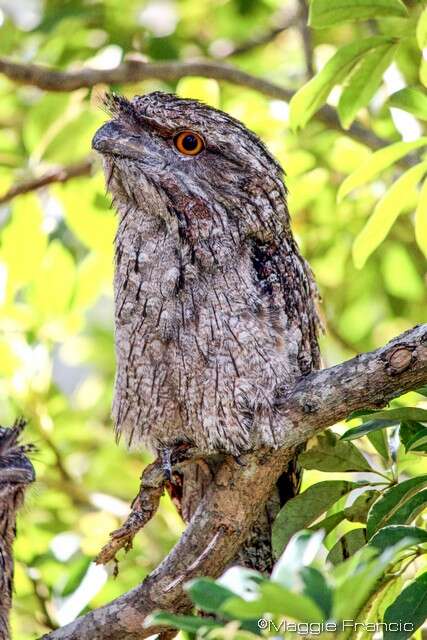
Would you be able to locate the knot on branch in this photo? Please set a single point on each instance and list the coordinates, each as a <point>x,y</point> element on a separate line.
<point>404,355</point>
<point>399,359</point>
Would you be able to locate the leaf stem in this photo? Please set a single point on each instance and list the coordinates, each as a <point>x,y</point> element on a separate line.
<point>386,477</point>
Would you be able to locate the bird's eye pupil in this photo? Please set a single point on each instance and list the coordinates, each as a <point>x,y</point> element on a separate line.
<point>190,142</point>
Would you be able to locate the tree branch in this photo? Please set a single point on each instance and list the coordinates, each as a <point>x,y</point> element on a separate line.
<point>231,504</point>
<point>60,174</point>
<point>307,43</point>
<point>132,71</point>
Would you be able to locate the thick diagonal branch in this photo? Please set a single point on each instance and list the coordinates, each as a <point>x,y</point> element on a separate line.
<point>132,71</point>
<point>231,505</point>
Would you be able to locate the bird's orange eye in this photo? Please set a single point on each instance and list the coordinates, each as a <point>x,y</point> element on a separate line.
<point>189,143</point>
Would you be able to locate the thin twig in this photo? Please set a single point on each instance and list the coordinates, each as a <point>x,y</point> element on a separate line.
<point>59,174</point>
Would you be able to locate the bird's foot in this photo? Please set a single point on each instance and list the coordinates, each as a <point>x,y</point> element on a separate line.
<point>121,539</point>
<point>154,478</point>
<point>143,509</point>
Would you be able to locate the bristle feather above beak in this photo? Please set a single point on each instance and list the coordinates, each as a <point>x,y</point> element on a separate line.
<point>116,105</point>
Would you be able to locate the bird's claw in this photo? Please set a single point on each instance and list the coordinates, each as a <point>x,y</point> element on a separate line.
<point>144,506</point>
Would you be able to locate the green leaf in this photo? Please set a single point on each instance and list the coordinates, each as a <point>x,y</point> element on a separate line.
<point>410,606</point>
<point>300,552</point>
<point>329,523</point>
<point>360,413</point>
<point>324,13</point>
<point>422,30</point>
<point>422,74</point>
<point>392,534</point>
<point>386,596</point>
<point>418,442</point>
<point>407,430</point>
<point>277,600</point>
<point>358,511</point>
<point>357,579</point>
<point>363,81</point>
<point>301,511</point>
<point>317,588</point>
<point>347,545</point>
<point>207,594</point>
<point>379,441</point>
<point>422,391</point>
<point>332,454</point>
<point>395,506</point>
<point>421,219</point>
<point>192,624</point>
<point>376,163</point>
<point>79,129</point>
<point>367,427</point>
<point>402,413</point>
<point>361,559</point>
<point>94,273</point>
<point>241,581</point>
<point>313,94</point>
<point>385,213</point>
<point>410,509</point>
<point>411,100</point>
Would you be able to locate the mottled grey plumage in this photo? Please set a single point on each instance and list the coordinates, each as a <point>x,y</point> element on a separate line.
<point>16,472</point>
<point>215,307</point>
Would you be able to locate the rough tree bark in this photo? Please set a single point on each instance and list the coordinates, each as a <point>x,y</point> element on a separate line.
<point>230,507</point>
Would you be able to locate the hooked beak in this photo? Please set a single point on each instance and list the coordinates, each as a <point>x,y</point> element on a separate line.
<point>113,139</point>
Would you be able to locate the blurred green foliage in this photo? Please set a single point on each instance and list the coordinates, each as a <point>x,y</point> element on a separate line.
<point>56,322</point>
